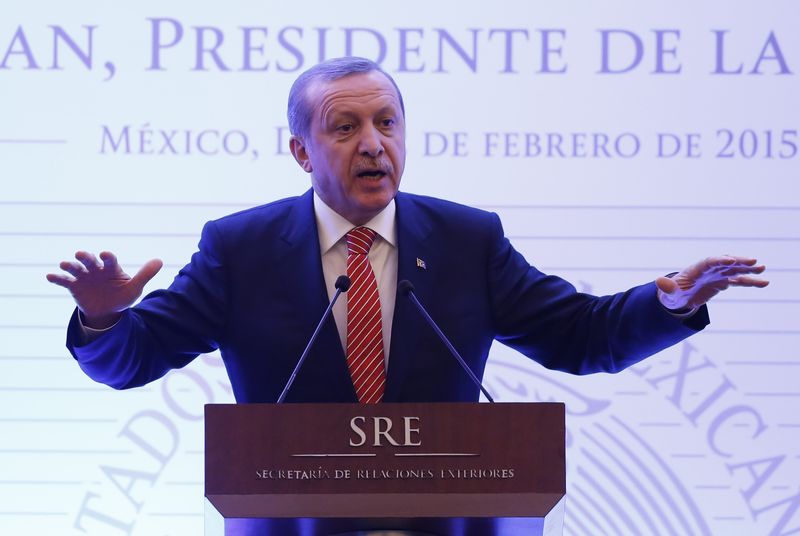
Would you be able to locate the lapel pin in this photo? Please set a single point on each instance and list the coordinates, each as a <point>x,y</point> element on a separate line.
<point>421,264</point>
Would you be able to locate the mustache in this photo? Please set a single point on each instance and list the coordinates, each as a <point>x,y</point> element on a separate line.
<point>383,165</point>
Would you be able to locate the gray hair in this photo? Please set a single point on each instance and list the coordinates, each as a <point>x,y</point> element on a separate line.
<point>299,111</point>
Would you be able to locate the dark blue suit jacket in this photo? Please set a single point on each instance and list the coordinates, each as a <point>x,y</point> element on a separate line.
<point>255,289</point>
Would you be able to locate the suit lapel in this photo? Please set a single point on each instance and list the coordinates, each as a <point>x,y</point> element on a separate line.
<point>413,232</point>
<point>327,358</point>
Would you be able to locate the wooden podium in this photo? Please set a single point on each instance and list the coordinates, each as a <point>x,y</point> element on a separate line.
<point>443,469</point>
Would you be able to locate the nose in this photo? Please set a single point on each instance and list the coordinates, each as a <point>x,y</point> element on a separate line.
<point>369,144</point>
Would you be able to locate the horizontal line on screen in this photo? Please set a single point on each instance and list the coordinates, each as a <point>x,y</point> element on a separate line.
<point>55,420</point>
<point>654,238</point>
<point>175,514</point>
<point>32,326</point>
<point>712,486</point>
<point>511,237</point>
<point>728,518</point>
<point>34,357</point>
<point>707,331</point>
<point>42,482</point>
<point>772,394</point>
<point>752,331</point>
<point>522,206</point>
<point>33,389</point>
<point>630,393</point>
<point>33,514</point>
<point>36,296</point>
<point>691,456</point>
<point>760,363</point>
<point>33,141</point>
<point>660,424</point>
<point>333,455</point>
<point>185,483</point>
<point>66,296</point>
<point>59,296</point>
<point>436,454</point>
<point>660,269</point>
<point>57,389</point>
<point>127,203</point>
<point>756,300</point>
<point>54,265</point>
<point>788,425</point>
<point>63,451</point>
<point>97,233</point>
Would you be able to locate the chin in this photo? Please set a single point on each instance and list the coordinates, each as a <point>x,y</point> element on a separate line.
<point>368,208</point>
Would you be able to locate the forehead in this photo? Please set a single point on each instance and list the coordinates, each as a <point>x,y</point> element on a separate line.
<point>360,92</point>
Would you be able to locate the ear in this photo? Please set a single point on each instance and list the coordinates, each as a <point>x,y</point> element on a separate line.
<point>300,152</point>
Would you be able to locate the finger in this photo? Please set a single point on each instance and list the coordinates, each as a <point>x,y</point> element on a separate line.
<point>147,272</point>
<point>705,266</point>
<point>73,268</point>
<point>109,260</point>
<point>61,280</point>
<point>723,262</point>
<point>747,281</point>
<point>666,285</point>
<point>88,260</point>
<point>736,270</point>
<point>716,265</point>
<point>712,263</point>
<point>747,261</point>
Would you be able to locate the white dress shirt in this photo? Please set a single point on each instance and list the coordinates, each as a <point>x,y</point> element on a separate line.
<point>332,229</point>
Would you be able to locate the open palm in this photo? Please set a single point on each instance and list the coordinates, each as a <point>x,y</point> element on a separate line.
<point>101,288</point>
<point>700,282</point>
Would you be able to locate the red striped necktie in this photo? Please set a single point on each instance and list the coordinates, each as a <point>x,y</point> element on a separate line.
<point>364,326</point>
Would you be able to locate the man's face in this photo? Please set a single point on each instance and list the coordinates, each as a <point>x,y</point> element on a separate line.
<point>355,149</point>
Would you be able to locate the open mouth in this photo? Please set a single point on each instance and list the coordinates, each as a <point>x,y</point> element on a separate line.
<point>372,174</point>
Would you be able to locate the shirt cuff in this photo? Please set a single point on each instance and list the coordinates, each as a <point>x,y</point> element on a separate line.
<point>683,312</point>
<point>91,334</point>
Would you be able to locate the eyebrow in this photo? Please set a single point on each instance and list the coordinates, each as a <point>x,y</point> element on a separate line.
<point>387,110</point>
<point>383,110</point>
<point>334,115</point>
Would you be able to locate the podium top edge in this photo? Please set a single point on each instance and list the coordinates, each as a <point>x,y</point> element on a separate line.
<point>392,404</point>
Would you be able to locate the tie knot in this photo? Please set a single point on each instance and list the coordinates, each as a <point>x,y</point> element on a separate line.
<point>359,240</point>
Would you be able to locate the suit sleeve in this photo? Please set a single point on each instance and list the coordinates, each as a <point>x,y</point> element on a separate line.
<point>167,329</point>
<point>546,319</point>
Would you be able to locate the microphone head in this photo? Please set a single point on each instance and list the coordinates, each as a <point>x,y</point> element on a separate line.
<point>405,287</point>
<point>342,283</point>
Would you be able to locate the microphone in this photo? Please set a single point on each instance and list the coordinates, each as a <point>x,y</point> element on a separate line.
<point>406,288</point>
<point>342,285</point>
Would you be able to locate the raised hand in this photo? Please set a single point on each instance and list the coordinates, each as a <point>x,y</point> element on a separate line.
<point>700,282</point>
<point>101,289</point>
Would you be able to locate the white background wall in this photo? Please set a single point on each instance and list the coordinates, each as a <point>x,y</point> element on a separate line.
<point>709,450</point>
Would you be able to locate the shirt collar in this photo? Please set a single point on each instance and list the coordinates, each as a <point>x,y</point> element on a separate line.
<point>331,226</point>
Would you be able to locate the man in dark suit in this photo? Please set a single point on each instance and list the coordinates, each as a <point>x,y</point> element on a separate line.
<point>262,278</point>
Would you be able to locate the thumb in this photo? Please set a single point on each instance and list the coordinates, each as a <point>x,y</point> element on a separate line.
<point>146,273</point>
<point>666,285</point>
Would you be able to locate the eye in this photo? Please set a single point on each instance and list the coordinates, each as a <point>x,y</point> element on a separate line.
<point>388,122</point>
<point>345,128</point>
